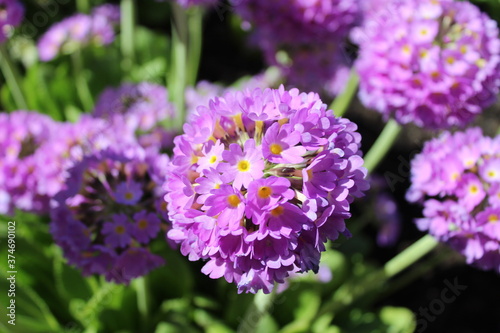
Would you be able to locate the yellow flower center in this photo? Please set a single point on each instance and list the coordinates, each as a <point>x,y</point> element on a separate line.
<point>450,60</point>
<point>129,195</point>
<point>213,159</point>
<point>264,192</point>
<point>491,173</point>
<point>493,218</point>
<point>233,200</point>
<point>142,224</point>
<point>277,211</point>
<point>119,229</point>
<point>194,159</point>
<point>243,165</point>
<point>217,186</point>
<point>473,189</point>
<point>276,149</point>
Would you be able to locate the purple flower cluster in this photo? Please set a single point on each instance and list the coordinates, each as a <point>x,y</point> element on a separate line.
<point>259,181</point>
<point>300,21</point>
<point>142,107</point>
<point>37,152</point>
<point>22,133</point>
<point>110,212</point>
<point>311,35</point>
<point>11,15</point>
<point>204,91</point>
<point>435,63</point>
<point>79,31</point>
<point>457,177</point>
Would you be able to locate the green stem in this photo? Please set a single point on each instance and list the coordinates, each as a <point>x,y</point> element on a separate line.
<point>195,30</point>
<point>341,103</point>
<point>143,299</point>
<point>127,22</point>
<point>82,6</point>
<point>258,309</point>
<point>177,79</point>
<point>82,87</point>
<point>382,145</point>
<point>12,78</point>
<point>349,293</point>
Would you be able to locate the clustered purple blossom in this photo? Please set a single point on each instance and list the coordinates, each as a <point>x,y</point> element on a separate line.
<point>79,31</point>
<point>204,91</point>
<point>21,134</point>
<point>11,15</point>
<point>457,178</point>
<point>311,35</point>
<point>110,212</point>
<point>37,152</point>
<point>435,63</point>
<point>143,107</point>
<point>260,180</point>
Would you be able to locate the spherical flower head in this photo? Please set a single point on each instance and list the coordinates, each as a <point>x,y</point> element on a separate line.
<point>432,63</point>
<point>142,107</point>
<point>11,15</point>
<point>69,144</point>
<point>456,179</point>
<point>79,31</point>
<point>305,41</point>
<point>22,136</point>
<point>106,216</point>
<point>237,194</point>
<point>300,21</point>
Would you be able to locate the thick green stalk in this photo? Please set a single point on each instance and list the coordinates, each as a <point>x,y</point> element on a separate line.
<point>143,300</point>
<point>341,103</point>
<point>82,87</point>
<point>12,78</point>
<point>127,38</point>
<point>349,293</point>
<point>382,145</point>
<point>262,303</point>
<point>82,6</point>
<point>177,79</point>
<point>195,30</point>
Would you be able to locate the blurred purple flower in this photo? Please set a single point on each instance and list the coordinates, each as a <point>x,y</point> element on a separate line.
<point>142,107</point>
<point>79,31</point>
<point>311,35</point>
<point>11,15</point>
<point>461,205</point>
<point>433,63</point>
<point>100,234</point>
<point>22,135</point>
<point>244,209</point>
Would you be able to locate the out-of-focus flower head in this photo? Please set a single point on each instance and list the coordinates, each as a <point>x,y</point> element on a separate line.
<point>143,107</point>
<point>79,31</point>
<point>71,143</point>
<point>22,133</point>
<point>386,213</point>
<point>258,183</point>
<point>457,178</point>
<point>107,216</point>
<point>435,63</point>
<point>11,15</point>
<point>311,35</point>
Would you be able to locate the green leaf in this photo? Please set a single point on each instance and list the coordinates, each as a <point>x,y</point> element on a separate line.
<point>398,319</point>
